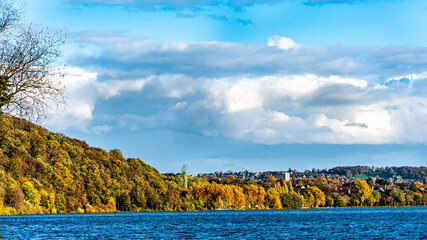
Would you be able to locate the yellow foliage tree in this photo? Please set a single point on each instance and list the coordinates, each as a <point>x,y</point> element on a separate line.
<point>31,194</point>
<point>254,196</point>
<point>360,191</point>
<point>315,196</point>
<point>272,199</point>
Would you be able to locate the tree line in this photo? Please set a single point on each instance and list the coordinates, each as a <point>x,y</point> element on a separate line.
<point>46,172</point>
<point>404,172</point>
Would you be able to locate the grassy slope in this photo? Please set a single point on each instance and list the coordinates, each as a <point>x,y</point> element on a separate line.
<point>372,174</point>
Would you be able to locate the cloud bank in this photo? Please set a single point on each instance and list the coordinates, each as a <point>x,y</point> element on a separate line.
<point>272,93</point>
<point>128,56</point>
<point>176,4</point>
<point>197,4</point>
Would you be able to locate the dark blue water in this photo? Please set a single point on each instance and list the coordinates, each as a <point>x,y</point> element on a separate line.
<point>365,223</point>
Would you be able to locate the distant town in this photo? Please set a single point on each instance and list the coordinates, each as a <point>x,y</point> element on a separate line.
<point>392,174</point>
<point>379,178</point>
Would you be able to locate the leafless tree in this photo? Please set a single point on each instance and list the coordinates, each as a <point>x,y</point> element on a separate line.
<point>29,85</point>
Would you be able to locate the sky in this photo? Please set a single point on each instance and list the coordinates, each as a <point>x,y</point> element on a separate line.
<point>231,84</point>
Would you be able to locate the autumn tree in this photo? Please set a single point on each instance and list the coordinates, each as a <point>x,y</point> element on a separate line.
<point>212,194</point>
<point>48,201</point>
<point>418,198</point>
<point>15,197</point>
<point>230,179</point>
<point>315,196</point>
<point>272,199</point>
<point>29,85</point>
<point>373,199</point>
<point>272,180</point>
<point>416,185</point>
<point>290,188</point>
<point>340,200</point>
<point>138,197</point>
<point>360,191</point>
<point>254,196</point>
<point>118,154</point>
<point>410,197</point>
<point>329,201</point>
<point>281,187</point>
<point>31,194</point>
<point>239,197</point>
<point>398,196</point>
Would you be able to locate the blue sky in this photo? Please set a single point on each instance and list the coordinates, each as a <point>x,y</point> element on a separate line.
<point>260,85</point>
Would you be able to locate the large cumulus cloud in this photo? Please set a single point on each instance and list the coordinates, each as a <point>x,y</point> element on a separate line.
<point>277,92</point>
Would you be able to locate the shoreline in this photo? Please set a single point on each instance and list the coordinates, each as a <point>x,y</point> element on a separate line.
<point>233,210</point>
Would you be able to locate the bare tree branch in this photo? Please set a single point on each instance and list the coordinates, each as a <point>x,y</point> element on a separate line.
<point>30,83</point>
<point>9,15</point>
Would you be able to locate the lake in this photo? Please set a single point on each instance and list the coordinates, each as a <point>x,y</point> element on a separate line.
<point>344,223</point>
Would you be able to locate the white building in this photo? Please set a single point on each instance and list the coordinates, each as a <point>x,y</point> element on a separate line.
<point>287,176</point>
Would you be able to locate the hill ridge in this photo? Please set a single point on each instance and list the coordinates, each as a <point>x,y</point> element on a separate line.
<point>46,172</point>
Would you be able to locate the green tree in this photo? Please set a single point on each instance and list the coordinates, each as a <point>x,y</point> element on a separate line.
<point>118,154</point>
<point>291,200</point>
<point>374,198</point>
<point>60,203</point>
<point>398,196</point>
<point>137,196</point>
<point>410,198</point>
<point>123,201</point>
<point>5,97</point>
<point>290,188</point>
<point>281,187</point>
<point>370,181</point>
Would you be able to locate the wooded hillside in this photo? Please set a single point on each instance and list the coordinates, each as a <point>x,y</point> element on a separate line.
<point>46,172</point>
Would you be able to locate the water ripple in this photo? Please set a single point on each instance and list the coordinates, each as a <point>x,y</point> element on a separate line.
<point>363,223</point>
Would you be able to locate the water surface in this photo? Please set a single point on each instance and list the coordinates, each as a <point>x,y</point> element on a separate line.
<point>352,223</point>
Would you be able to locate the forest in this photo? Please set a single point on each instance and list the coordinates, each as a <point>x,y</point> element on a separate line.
<point>404,172</point>
<point>42,172</point>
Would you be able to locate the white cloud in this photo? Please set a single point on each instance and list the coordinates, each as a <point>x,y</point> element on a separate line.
<point>282,42</point>
<point>278,117</point>
<point>115,88</point>
<point>84,90</point>
<point>101,129</point>
<point>309,108</point>
<point>270,93</point>
<point>242,96</point>
<point>411,77</point>
<point>174,86</point>
<point>121,55</point>
<point>268,109</point>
